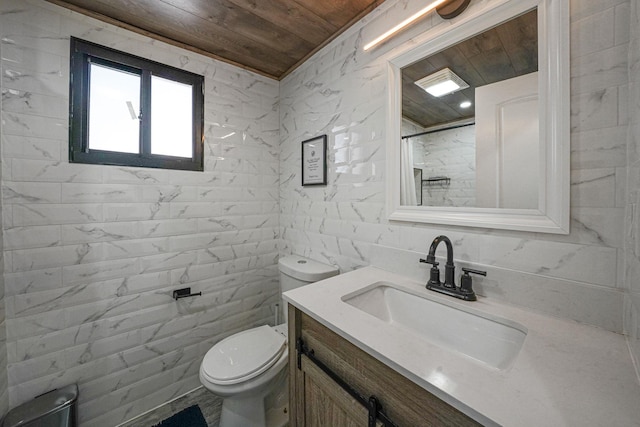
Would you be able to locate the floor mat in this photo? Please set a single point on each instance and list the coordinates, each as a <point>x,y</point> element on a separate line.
<point>189,417</point>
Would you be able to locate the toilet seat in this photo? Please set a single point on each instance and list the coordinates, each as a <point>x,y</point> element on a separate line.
<point>243,356</point>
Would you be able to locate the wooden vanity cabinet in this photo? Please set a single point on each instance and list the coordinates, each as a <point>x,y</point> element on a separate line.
<point>317,400</point>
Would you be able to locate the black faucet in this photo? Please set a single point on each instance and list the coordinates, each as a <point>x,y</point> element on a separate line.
<point>465,291</point>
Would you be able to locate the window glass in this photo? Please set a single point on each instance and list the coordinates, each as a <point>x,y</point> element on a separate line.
<point>114,106</point>
<point>171,118</point>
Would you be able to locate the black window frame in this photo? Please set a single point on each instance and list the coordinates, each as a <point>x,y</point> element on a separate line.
<point>82,54</point>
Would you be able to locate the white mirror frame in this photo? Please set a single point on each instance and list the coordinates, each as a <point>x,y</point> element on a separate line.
<point>553,59</point>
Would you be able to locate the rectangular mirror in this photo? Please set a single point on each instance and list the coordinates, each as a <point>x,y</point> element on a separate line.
<point>494,147</point>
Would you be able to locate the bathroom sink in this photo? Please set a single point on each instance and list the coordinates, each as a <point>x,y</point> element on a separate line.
<point>492,340</point>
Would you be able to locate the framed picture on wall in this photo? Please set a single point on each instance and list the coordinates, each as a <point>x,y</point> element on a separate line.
<point>314,161</point>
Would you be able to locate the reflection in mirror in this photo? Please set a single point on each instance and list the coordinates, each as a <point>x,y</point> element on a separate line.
<point>546,167</point>
<point>476,144</point>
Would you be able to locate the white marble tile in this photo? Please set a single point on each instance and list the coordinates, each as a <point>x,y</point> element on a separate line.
<point>39,324</point>
<point>42,214</point>
<point>221,223</point>
<point>31,237</point>
<point>195,210</point>
<point>31,14</point>
<point>167,261</point>
<point>597,109</point>
<point>599,70</point>
<point>623,105</point>
<point>119,249</point>
<point>27,192</point>
<point>81,273</point>
<point>128,175</point>
<point>170,227</point>
<point>136,211</point>
<point>598,226</point>
<point>599,148</point>
<point>37,280</point>
<point>583,8</point>
<point>33,368</point>
<point>592,33</point>
<point>96,193</point>
<point>34,126</point>
<point>25,102</point>
<point>630,195</point>
<point>23,48</point>
<point>44,258</point>
<point>97,232</point>
<point>50,79</point>
<point>14,146</point>
<point>126,411</point>
<point>593,187</point>
<point>621,186</point>
<point>591,264</point>
<point>116,379</point>
<point>622,27</point>
<point>166,193</point>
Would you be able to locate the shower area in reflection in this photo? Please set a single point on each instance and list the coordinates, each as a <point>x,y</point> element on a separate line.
<point>439,166</point>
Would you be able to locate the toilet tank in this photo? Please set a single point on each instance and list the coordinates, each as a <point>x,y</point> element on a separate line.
<point>296,271</point>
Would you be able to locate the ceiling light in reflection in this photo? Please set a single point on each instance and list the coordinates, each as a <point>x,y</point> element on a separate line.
<point>465,104</point>
<point>442,83</point>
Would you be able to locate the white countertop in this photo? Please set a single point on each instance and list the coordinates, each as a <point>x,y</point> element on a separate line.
<point>566,374</point>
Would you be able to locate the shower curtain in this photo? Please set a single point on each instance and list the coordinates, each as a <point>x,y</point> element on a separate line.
<point>407,183</point>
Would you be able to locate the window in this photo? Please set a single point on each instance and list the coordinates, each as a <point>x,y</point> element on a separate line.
<point>130,111</point>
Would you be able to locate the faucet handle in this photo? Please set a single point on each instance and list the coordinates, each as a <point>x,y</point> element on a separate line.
<point>434,273</point>
<point>466,283</point>
<point>472,271</point>
<point>431,259</point>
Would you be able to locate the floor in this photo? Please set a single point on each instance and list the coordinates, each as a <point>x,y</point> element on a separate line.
<point>210,405</point>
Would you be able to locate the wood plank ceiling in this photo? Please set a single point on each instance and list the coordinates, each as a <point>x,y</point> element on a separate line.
<point>506,51</point>
<point>270,37</point>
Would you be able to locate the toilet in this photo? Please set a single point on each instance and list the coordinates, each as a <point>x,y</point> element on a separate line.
<point>248,369</point>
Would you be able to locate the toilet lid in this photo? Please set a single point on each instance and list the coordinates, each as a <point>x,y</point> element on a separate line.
<point>243,356</point>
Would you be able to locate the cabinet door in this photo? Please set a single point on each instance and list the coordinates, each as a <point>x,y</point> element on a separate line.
<point>326,404</point>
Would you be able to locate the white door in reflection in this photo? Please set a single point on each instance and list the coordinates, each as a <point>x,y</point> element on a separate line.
<point>507,147</point>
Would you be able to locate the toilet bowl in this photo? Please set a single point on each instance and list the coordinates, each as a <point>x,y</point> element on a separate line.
<point>242,369</point>
<point>248,369</point>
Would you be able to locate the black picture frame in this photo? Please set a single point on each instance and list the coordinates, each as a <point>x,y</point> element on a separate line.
<point>314,161</point>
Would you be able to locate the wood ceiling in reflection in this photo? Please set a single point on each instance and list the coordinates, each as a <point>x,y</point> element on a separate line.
<point>506,51</point>
<point>270,37</point>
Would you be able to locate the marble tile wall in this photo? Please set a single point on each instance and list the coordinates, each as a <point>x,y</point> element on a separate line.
<point>632,219</point>
<point>341,92</point>
<point>4,389</point>
<point>92,253</point>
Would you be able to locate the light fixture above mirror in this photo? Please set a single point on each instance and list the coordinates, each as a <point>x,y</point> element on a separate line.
<point>447,9</point>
